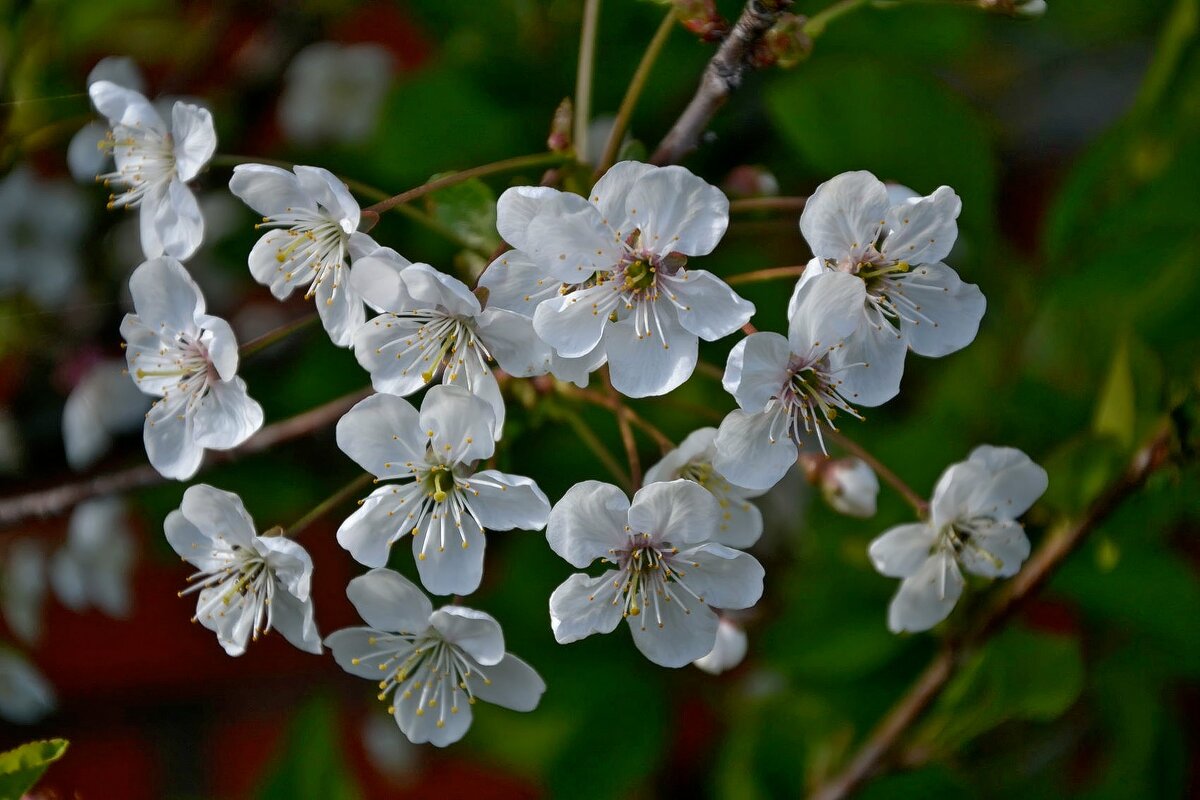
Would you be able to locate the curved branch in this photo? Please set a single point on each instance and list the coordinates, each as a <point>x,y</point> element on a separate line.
<point>59,499</point>
<point>721,77</point>
<point>873,755</point>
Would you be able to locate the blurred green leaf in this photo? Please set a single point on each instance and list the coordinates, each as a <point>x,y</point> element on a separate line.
<point>848,114</point>
<point>312,765</point>
<point>468,209</point>
<point>22,767</point>
<point>1115,414</point>
<point>1020,674</point>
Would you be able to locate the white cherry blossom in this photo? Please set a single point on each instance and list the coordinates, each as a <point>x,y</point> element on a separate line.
<point>972,526</point>
<point>515,282</point>
<point>442,500</point>
<point>188,359</point>
<point>894,241</point>
<point>741,521</point>
<point>95,565</point>
<point>41,225</point>
<point>25,694</point>
<point>248,584</point>
<point>314,221</point>
<point>432,666</point>
<point>729,650</point>
<point>153,162</point>
<point>333,92</point>
<point>667,568</point>
<point>788,387</point>
<point>103,404</point>
<point>87,155</point>
<point>433,324</point>
<point>620,257</point>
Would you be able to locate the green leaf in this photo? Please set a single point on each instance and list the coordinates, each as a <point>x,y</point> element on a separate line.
<point>468,209</point>
<point>22,767</point>
<point>1021,674</point>
<point>1115,411</point>
<point>847,114</point>
<point>312,764</point>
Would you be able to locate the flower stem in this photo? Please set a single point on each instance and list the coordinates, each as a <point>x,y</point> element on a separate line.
<point>759,275</point>
<point>634,92</point>
<point>817,22</point>
<point>583,74</point>
<point>618,407</point>
<point>793,204</point>
<point>631,452</point>
<point>593,443</point>
<point>329,504</point>
<point>507,165</point>
<point>892,479</point>
<point>271,337</point>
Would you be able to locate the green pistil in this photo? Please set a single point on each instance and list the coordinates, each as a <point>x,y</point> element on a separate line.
<point>639,275</point>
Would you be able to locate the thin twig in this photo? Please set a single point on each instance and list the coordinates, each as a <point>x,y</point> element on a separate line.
<point>748,204</point>
<point>765,275</point>
<point>634,92</point>
<point>330,503</point>
<point>593,443</point>
<point>660,438</point>
<point>272,336</point>
<point>721,77</point>
<point>631,453</point>
<point>59,499</point>
<point>506,165</point>
<point>873,755</point>
<point>583,74</point>
<point>918,503</point>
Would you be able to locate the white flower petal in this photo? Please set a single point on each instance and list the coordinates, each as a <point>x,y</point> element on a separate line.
<point>676,632</point>
<point>568,238</point>
<point>511,684</point>
<point>746,453</point>
<point>382,433</point>
<point>339,306</point>
<point>458,424</point>
<point>503,502</point>
<point>583,605</point>
<point>170,444</point>
<point>902,550</point>
<point>351,645</point>
<point>476,633</point>
<point>923,230</point>
<point>870,362</point>
<point>124,106</point>
<point>951,309</point>
<point>329,191</point>
<point>219,515</point>
<point>844,216</point>
<point>376,278</point>
<point>611,193</point>
<point>449,554</point>
<point>227,416</point>
<point>653,363</point>
<point>511,340</point>
<point>728,650</point>
<point>721,576</point>
<point>388,601</point>
<point>757,369</point>
<point>517,207</point>
<point>381,519</point>
<point>515,282</point>
<point>194,137</point>
<point>587,522</point>
<point>928,596</point>
<point>294,618</point>
<point>677,211</point>
<point>995,549</point>
<point>165,296</point>
<point>178,223</point>
<point>574,323</point>
<point>268,190</point>
<point>680,512</point>
<point>1013,482</point>
<point>828,308</point>
<point>706,305</point>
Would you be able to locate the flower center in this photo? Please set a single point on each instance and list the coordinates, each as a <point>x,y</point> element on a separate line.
<point>243,581</point>
<point>143,159</point>
<point>441,341</point>
<point>809,397</point>
<point>427,667</point>
<point>315,248</point>
<point>650,575</point>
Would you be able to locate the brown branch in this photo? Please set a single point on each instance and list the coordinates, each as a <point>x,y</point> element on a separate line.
<point>61,498</point>
<point>918,503</point>
<point>721,77</point>
<point>631,452</point>
<point>749,204</point>
<point>769,274</point>
<point>874,754</point>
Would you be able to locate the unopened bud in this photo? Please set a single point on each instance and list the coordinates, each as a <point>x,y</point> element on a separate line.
<point>728,650</point>
<point>850,487</point>
<point>750,180</point>
<point>559,140</point>
<point>785,44</point>
<point>701,18</point>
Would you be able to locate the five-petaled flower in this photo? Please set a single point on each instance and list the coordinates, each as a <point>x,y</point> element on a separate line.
<point>433,324</point>
<point>894,242</point>
<point>619,257</point>
<point>667,568</point>
<point>445,503</point>
<point>431,665</point>
<point>972,526</point>
<point>188,359</point>
<point>314,221</point>
<point>787,387</point>
<point>153,163</point>
<point>248,584</point>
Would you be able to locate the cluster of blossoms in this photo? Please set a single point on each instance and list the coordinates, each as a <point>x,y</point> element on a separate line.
<point>597,281</point>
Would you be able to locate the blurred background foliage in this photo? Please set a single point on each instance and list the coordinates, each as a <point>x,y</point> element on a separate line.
<point>1074,141</point>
